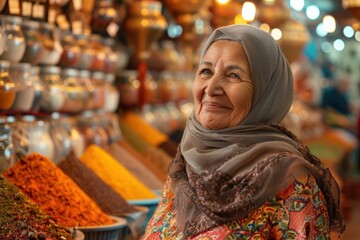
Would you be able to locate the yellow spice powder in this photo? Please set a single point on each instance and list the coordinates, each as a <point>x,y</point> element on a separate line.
<point>149,133</point>
<point>114,174</point>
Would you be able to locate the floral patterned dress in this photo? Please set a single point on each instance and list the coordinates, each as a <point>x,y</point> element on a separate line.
<point>299,212</point>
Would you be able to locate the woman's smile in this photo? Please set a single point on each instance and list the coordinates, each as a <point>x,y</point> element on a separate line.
<point>213,106</point>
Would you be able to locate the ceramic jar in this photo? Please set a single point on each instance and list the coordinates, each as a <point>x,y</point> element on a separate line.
<point>7,87</point>
<point>111,56</point>
<point>38,136</point>
<point>52,46</point>
<point>54,95</point>
<point>150,13</point>
<point>168,88</point>
<point>14,39</point>
<point>87,52</point>
<point>71,55</point>
<point>39,88</point>
<point>112,127</point>
<point>2,4</point>
<point>93,131</point>
<point>2,35</point>
<point>7,157</point>
<point>60,137</point>
<point>129,88</point>
<point>112,95</point>
<point>85,79</point>
<point>75,91</point>
<point>98,64</point>
<point>77,140</point>
<point>20,74</point>
<point>34,45</point>
<point>151,90</point>
<point>98,79</point>
<point>103,14</point>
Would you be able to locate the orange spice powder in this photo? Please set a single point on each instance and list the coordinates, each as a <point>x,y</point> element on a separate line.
<point>55,193</point>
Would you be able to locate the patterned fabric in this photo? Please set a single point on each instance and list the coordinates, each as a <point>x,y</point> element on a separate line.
<point>298,212</point>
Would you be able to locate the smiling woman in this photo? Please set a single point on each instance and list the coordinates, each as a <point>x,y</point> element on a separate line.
<point>237,173</point>
<point>223,86</point>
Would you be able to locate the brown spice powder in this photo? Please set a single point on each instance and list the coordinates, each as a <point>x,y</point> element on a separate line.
<point>107,199</point>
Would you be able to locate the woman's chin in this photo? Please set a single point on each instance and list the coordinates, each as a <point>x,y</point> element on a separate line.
<point>213,124</point>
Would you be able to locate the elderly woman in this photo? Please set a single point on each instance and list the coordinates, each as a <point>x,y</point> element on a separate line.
<point>237,173</point>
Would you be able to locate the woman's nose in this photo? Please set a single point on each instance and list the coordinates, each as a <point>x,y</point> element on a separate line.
<point>214,87</point>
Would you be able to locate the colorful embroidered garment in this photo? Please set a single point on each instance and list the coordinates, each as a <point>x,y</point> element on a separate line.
<point>298,212</point>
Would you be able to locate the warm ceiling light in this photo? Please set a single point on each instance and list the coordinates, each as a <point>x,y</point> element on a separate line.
<point>357,36</point>
<point>222,2</point>
<point>248,11</point>
<point>265,27</point>
<point>268,2</point>
<point>276,33</point>
<point>329,23</point>
<point>297,4</point>
<point>239,19</point>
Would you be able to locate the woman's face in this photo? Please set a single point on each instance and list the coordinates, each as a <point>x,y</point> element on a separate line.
<point>223,88</point>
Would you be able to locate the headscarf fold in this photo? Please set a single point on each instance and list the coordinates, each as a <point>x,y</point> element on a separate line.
<point>223,175</point>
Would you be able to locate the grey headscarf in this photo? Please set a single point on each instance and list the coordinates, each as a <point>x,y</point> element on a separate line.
<point>223,175</point>
<point>271,74</point>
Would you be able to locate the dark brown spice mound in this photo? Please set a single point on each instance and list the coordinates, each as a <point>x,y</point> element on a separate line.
<point>20,218</point>
<point>107,199</point>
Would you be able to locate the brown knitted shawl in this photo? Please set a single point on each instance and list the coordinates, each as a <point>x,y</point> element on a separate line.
<point>210,198</point>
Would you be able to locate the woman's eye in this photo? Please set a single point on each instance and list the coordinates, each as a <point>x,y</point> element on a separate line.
<point>205,71</point>
<point>234,75</point>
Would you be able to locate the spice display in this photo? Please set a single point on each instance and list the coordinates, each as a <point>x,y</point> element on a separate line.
<point>52,47</point>
<point>34,46</point>
<point>7,87</point>
<point>39,87</point>
<point>55,193</point>
<point>141,127</point>
<point>75,91</point>
<point>21,219</point>
<point>135,166</point>
<point>115,175</point>
<point>156,159</point>
<point>14,39</point>
<point>98,80</point>
<point>112,96</point>
<point>55,93</point>
<point>35,135</point>
<point>6,99</point>
<point>91,128</point>
<point>20,74</point>
<point>149,133</point>
<point>7,153</point>
<point>106,198</point>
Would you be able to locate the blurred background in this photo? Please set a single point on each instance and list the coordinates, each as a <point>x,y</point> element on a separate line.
<point>118,74</point>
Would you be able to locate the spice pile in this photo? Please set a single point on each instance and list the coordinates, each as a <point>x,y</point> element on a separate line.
<point>21,219</point>
<point>106,198</point>
<point>55,193</point>
<point>135,166</point>
<point>155,159</point>
<point>115,175</point>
